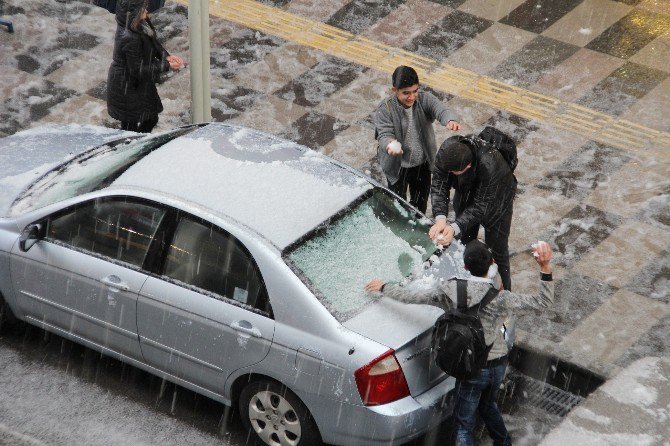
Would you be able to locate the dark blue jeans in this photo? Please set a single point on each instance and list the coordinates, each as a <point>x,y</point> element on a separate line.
<point>479,394</point>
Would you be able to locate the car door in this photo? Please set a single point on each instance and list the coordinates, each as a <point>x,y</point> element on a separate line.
<point>207,313</point>
<point>84,276</point>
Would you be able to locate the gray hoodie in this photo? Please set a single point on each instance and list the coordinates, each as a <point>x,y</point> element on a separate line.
<point>492,316</point>
<point>388,120</point>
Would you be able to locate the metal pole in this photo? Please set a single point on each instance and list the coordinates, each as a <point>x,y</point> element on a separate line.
<point>198,17</point>
<point>204,49</point>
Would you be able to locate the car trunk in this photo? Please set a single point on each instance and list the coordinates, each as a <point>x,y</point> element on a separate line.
<point>407,329</point>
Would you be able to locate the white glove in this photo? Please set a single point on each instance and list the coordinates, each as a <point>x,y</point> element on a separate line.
<point>394,148</point>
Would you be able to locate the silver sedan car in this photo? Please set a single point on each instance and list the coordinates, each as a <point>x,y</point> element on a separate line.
<point>232,263</point>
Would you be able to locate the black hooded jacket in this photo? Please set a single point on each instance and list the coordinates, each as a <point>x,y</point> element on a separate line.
<point>483,194</point>
<point>138,61</point>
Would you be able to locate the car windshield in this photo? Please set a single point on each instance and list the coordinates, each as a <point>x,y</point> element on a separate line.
<point>380,237</point>
<point>90,171</point>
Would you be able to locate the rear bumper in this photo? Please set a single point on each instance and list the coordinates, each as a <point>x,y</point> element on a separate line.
<point>390,424</point>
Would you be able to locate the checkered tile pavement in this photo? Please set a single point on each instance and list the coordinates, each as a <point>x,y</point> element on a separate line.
<point>604,207</point>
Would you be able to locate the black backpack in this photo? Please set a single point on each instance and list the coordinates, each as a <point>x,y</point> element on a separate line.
<point>458,336</point>
<point>505,145</point>
<point>490,135</point>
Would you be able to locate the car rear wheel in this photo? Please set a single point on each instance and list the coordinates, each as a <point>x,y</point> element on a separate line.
<point>276,416</point>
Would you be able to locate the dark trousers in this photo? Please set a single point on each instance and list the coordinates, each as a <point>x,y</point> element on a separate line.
<point>496,237</point>
<point>479,395</point>
<point>417,180</point>
<point>140,127</point>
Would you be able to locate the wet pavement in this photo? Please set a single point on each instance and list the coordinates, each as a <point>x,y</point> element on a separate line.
<point>594,175</point>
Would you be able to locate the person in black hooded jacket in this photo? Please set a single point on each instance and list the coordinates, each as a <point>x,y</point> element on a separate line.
<point>484,189</point>
<point>138,61</point>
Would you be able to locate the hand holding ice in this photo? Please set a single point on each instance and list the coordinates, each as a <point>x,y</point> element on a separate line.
<point>542,253</point>
<point>394,148</point>
<point>536,247</point>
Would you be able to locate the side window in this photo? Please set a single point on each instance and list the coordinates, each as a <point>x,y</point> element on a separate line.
<point>208,258</point>
<point>121,230</point>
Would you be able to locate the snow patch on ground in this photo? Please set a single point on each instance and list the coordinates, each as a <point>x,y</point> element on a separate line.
<point>629,387</point>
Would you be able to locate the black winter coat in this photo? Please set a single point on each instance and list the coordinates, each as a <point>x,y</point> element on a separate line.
<point>138,62</point>
<point>483,194</point>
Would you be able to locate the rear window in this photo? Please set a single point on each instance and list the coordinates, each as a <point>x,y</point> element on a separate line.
<point>90,171</point>
<point>379,237</point>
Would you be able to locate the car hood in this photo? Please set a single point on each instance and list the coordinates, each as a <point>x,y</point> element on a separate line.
<point>408,328</point>
<point>27,155</point>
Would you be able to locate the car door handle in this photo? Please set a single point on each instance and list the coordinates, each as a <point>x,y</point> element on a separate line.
<point>245,327</point>
<point>115,282</point>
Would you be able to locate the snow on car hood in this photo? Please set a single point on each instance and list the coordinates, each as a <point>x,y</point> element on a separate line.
<point>278,188</point>
<point>27,155</point>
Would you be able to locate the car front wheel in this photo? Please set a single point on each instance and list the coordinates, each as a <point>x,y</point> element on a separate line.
<point>276,416</point>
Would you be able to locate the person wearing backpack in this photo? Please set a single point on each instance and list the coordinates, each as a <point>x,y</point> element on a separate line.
<point>405,137</point>
<point>477,392</point>
<point>484,188</point>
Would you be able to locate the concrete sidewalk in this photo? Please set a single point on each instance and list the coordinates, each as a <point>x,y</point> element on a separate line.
<point>633,408</point>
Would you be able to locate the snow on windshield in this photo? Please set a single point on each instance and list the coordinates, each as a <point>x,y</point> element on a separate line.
<point>379,238</point>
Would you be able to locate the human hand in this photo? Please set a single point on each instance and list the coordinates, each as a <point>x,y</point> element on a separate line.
<point>445,237</point>
<point>437,228</point>
<point>176,62</point>
<point>374,285</point>
<point>542,254</point>
<point>453,126</point>
<point>394,148</point>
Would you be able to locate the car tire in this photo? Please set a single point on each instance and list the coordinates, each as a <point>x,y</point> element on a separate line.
<point>7,318</point>
<point>275,416</point>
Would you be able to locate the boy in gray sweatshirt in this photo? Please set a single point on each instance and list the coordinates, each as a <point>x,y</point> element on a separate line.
<point>479,394</point>
<point>406,141</point>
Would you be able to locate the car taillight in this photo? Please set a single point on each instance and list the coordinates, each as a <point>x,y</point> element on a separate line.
<point>381,381</point>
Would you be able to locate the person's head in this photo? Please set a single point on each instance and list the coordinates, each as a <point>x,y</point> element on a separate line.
<point>454,157</point>
<point>130,13</point>
<point>477,258</point>
<point>405,83</point>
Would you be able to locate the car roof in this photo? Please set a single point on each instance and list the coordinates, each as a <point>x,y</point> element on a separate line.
<point>280,189</point>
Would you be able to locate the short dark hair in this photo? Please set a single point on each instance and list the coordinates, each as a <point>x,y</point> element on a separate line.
<point>404,77</point>
<point>477,258</point>
<point>453,156</point>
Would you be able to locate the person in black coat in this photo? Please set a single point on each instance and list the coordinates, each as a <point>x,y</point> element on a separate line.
<point>484,189</point>
<point>138,61</point>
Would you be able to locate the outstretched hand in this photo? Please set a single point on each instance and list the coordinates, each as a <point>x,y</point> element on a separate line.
<point>542,253</point>
<point>374,285</point>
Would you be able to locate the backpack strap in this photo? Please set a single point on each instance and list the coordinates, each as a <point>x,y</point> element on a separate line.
<point>488,297</point>
<point>462,297</point>
<point>462,294</point>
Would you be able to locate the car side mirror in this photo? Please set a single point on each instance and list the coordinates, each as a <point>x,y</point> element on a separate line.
<point>30,235</point>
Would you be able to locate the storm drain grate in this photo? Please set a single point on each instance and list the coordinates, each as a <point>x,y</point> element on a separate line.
<point>544,396</point>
